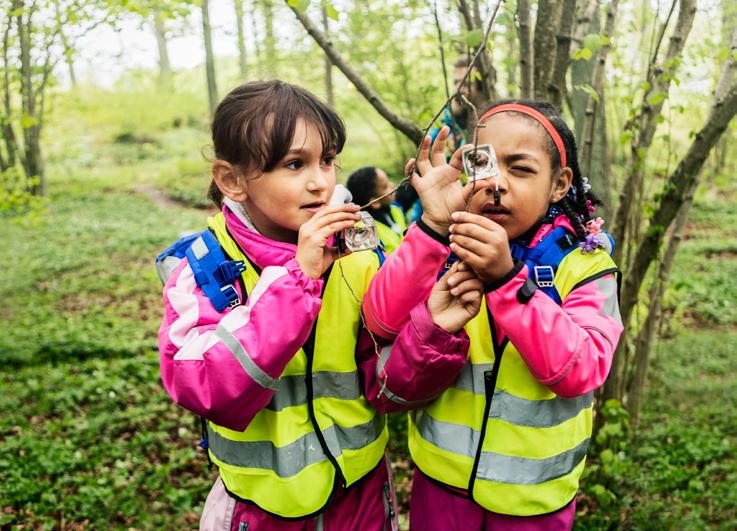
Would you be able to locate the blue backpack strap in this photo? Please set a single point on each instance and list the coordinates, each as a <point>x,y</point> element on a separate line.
<point>169,259</point>
<point>543,259</point>
<point>213,272</point>
<point>380,253</point>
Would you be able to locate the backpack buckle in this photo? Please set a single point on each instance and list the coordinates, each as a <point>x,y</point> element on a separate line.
<point>544,276</point>
<point>231,294</point>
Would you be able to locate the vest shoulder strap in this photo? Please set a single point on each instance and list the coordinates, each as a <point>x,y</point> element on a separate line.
<point>543,259</point>
<point>214,273</point>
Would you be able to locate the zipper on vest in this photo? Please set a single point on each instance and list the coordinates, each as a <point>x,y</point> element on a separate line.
<point>309,350</point>
<point>489,386</point>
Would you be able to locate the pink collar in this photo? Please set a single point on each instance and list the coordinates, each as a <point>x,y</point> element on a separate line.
<point>547,228</point>
<point>259,249</point>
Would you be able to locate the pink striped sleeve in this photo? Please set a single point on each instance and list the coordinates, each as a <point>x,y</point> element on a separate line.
<point>421,363</point>
<point>405,280</point>
<point>223,366</point>
<point>568,348</point>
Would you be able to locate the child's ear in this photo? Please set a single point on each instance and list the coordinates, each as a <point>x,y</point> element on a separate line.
<point>561,184</point>
<point>231,182</point>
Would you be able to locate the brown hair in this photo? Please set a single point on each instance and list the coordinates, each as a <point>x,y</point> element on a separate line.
<point>254,124</point>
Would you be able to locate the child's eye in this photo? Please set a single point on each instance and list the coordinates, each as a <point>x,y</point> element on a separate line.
<point>294,164</point>
<point>328,160</point>
<point>522,169</point>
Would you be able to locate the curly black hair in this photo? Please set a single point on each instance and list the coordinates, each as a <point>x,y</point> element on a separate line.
<point>573,204</point>
<point>362,184</point>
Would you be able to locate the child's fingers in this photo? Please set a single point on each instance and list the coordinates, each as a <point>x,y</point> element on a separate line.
<point>475,219</point>
<point>471,297</point>
<point>469,285</point>
<point>456,160</point>
<point>423,160</point>
<point>336,226</point>
<point>327,219</point>
<point>473,260</point>
<point>437,155</point>
<point>477,247</point>
<point>481,233</point>
<point>455,278</point>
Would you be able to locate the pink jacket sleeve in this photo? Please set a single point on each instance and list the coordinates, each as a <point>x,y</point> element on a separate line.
<point>421,363</point>
<point>568,348</point>
<point>223,366</point>
<point>404,281</point>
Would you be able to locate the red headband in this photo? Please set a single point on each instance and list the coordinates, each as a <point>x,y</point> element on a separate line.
<point>541,118</point>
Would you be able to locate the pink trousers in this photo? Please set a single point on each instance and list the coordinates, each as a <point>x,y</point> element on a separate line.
<point>433,508</point>
<point>368,505</point>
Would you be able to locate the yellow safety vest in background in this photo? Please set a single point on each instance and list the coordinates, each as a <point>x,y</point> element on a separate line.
<point>391,237</point>
<point>278,462</point>
<point>513,444</point>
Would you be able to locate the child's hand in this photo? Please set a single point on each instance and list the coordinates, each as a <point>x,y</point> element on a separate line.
<point>456,298</point>
<point>439,186</point>
<point>313,254</point>
<point>482,244</point>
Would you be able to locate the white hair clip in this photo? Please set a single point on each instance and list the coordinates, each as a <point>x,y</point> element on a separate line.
<point>586,185</point>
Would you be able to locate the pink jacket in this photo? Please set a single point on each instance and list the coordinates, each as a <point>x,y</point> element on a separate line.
<point>568,348</point>
<point>201,374</point>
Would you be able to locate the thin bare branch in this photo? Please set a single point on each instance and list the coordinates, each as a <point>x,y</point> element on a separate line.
<point>405,125</point>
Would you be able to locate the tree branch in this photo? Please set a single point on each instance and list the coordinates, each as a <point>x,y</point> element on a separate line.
<point>680,185</point>
<point>557,87</point>
<point>526,57</point>
<point>405,125</point>
<point>548,18</point>
<point>659,80</point>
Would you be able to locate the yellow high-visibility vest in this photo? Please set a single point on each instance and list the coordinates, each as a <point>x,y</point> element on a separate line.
<point>513,444</point>
<point>391,237</point>
<point>318,428</point>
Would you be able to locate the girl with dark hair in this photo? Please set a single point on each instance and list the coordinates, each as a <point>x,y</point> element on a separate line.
<point>368,183</point>
<point>502,444</point>
<point>283,373</point>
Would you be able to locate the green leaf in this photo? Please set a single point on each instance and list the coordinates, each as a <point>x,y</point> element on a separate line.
<point>299,5</point>
<point>331,11</point>
<point>583,54</point>
<point>655,97</point>
<point>473,38</point>
<point>28,121</point>
<point>593,42</point>
<point>588,89</point>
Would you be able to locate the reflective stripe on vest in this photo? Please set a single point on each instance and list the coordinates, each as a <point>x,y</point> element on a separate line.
<point>279,462</point>
<point>523,455</point>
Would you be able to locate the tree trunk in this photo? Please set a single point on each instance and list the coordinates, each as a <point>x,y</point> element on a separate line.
<point>548,19</point>
<point>557,88</point>
<point>11,145</point>
<point>405,125</point>
<point>589,129</point>
<point>33,161</point>
<point>659,79</point>
<point>328,65</point>
<point>472,20</point>
<point>679,186</point>
<point>212,89</point>
<point>269,39</point>
<point>238,4</point>
<point>526,57</point>
<point>582,72</point>
<point>646,336</point>
<point>161,45</point>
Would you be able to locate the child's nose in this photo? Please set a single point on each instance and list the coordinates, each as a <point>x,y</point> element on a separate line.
<point>317,180</point>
